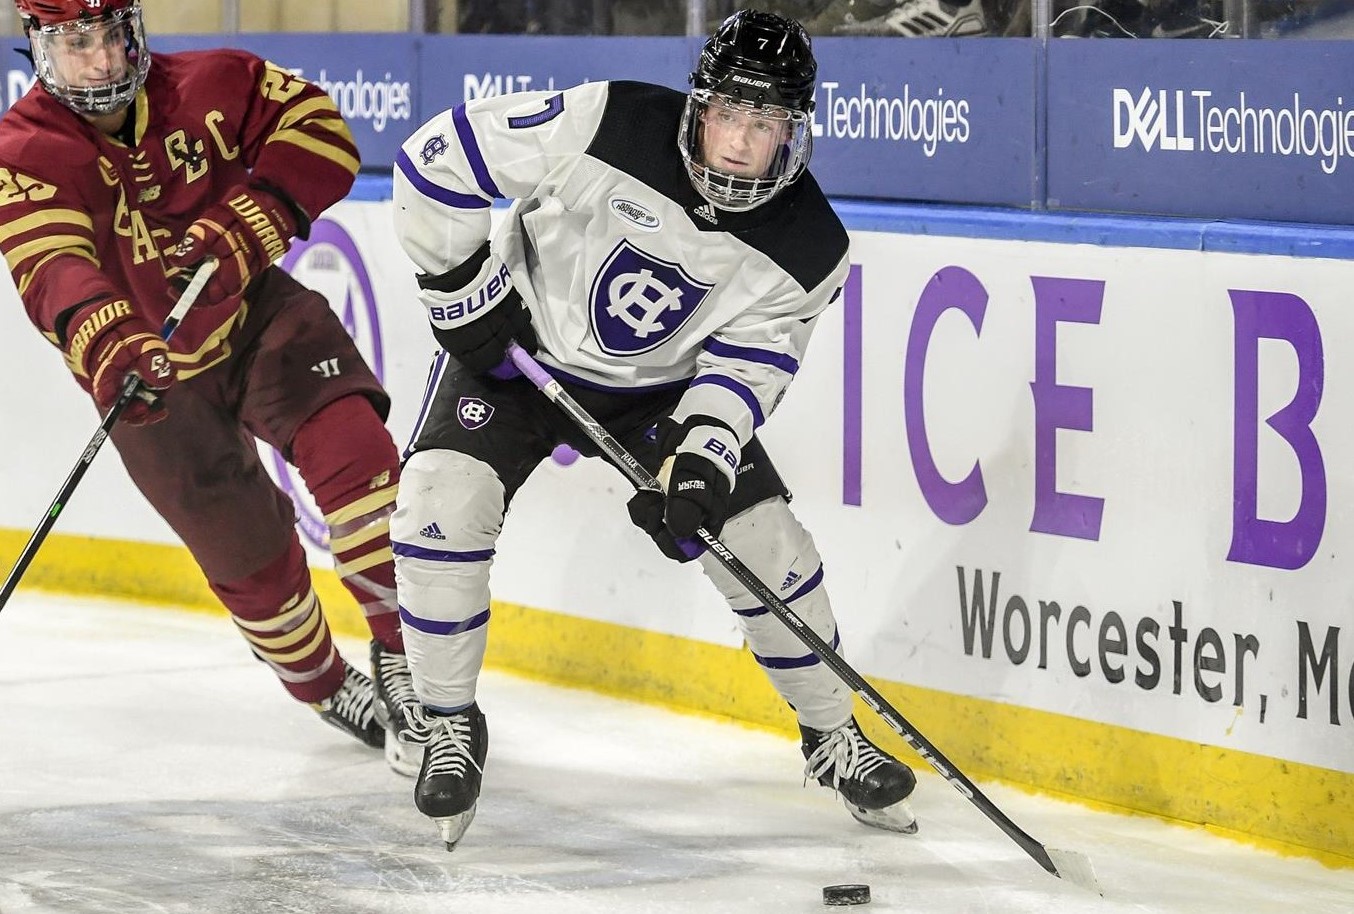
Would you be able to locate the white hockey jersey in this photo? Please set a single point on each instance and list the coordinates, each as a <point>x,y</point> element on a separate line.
<point>633,280</point>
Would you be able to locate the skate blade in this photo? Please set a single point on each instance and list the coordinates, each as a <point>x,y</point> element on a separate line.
<point>405,759</point>
<point>453,828</point>
<point>370,736</point>
<point>898,817</point>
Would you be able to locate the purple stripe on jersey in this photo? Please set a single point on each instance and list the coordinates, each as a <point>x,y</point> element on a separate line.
<point>466,134</point>
<point>793,663</point>
<point>435,627</point>
<point>410,551</point>
<point>439,368</point>
<point>436,191</point>
<point>560,374</point>
<point>742,391</point>
<point>814,580</point>
<point>785,363</point>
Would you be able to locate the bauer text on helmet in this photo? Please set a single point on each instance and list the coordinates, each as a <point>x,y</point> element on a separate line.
<point>89,54</point>
<point>745,132</point>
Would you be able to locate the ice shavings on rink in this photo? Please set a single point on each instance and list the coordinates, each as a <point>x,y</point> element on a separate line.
<point>149,764</point>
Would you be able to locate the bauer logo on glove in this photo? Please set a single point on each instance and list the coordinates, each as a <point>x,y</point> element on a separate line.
<point>723,452</point>
<point>475,312</point>
<point>447,315</point>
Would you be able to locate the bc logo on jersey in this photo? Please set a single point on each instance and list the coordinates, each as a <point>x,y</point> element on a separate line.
<point>638,301</point>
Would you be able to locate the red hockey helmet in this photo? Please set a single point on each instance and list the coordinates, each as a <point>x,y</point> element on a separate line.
<point>54,12</point>
<point>89,54</point>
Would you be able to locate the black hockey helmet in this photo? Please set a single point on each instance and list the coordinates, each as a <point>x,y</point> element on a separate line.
<point>759,58</point>
<point>757,70</point>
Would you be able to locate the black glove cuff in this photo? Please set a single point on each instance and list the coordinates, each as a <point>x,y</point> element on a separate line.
<point>482,345</point>
<point>298,214</point>
<point>457,277</point>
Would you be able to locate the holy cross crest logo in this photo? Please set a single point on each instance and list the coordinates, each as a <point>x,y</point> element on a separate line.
<point>435,147</point>
<point>473,412</point>
<point>639,301</point>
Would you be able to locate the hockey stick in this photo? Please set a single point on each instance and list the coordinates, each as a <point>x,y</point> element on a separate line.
<point>130,388</point>
<point>1073,866</point>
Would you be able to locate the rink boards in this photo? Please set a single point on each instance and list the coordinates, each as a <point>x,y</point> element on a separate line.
<point>1082,507</point>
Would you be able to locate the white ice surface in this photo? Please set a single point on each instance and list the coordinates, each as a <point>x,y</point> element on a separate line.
<point>149,764</point>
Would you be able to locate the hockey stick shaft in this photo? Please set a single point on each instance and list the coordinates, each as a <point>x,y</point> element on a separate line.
<point>1072,869</point>
<point>130,388</point>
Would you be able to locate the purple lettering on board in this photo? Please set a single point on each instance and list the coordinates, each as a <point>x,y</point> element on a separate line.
<point>957,288</point>
<point>852,431</point>
<point>1056,406</point>
<point>1286,544</point>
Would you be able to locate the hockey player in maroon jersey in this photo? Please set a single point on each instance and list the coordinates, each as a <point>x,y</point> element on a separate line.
<point>667,259</point>
<point>119,174</point>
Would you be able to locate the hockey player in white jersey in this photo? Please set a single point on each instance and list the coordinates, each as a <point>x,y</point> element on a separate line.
<point>666,259</point>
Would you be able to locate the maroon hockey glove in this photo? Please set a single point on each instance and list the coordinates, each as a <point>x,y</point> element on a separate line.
<point>106,341</point>
<point>249,229</point>
<point>475,313</point>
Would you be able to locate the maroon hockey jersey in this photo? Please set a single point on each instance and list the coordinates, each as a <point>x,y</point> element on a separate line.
<point>83,215</point>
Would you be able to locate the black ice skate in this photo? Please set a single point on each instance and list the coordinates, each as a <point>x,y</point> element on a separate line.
<point>453,763</point>
<point>873,785</point>
<point>353,710</point>
<point>394,694</point>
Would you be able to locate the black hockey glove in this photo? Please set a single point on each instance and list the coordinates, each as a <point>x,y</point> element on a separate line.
<point>475,313</point>
<point>646,512</point>
<point>700,460</point>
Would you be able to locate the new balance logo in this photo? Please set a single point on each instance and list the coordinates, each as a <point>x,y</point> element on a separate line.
<point>791,580</point>
<point>432,532</point>
<point>707,212</point>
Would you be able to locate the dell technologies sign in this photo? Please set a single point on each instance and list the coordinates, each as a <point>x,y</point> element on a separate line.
<point>1266,132</point>
<point>1195,120</point>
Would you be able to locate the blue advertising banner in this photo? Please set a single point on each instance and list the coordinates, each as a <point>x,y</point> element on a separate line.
<point>1226,129</point>
<point>945,119</point>
<point>948,120</point>
<point>942,119</point>
<point>371,77</point>
<point>456,68</point>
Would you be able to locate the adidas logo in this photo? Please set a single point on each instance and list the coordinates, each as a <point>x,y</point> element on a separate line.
<point>707,212</point>
<point>432,532</point>
<point>791,580</point>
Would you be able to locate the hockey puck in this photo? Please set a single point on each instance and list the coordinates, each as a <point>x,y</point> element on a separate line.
<point>846,894</point>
